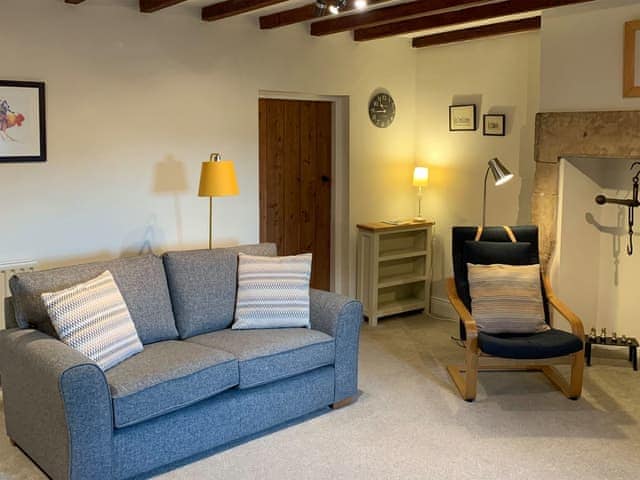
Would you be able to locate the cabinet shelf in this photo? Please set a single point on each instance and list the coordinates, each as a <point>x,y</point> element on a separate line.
<point>399,254</point>
<point>400,306</point>
<point>394,280</point>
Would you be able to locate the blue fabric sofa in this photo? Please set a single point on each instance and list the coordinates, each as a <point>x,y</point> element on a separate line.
<point>196,386</point>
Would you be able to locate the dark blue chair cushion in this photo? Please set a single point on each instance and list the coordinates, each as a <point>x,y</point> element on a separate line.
<point>549,344</point>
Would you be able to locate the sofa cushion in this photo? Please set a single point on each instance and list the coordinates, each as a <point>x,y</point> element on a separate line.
<point>273,292</point>
<point>91,317</point>
<point>140,279</point>
<point>203,286</point>
<point>167,376</point>
<point>265,356</point>
<point>507,298</point>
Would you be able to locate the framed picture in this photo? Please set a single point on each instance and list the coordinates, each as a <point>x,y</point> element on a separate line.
<point>22,122</point>
<point>493,125</point>
<point>631,63</point>
<point>462,118</point>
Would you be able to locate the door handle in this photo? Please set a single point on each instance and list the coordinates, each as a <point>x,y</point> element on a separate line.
<point>325,178</point>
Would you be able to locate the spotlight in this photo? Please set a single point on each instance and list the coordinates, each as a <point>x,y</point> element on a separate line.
<point>334,10</point>
<point>360,4</point>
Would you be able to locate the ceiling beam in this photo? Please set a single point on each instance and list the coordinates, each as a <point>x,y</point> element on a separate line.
<point>525,25</point>
<point>229,8</point>
<point>302,14</point>
<point>148,6</point>
<point>472,14</point>
<point>379,16</point>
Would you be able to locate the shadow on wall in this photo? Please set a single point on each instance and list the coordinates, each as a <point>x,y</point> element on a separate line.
<point>169,179</point>
<point>616,233</point>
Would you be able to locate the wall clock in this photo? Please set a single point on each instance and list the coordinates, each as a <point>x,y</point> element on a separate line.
<point>382,110</point>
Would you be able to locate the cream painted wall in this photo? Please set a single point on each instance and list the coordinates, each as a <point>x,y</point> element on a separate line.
<point>136,102</point>
<point>500,75</point>
<point>576,262</point>
<point>582,56</point>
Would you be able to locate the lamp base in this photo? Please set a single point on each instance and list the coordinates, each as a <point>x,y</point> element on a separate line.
<point>419,219</point>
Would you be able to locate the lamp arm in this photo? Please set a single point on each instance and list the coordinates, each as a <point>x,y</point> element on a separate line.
<point>484,197</point>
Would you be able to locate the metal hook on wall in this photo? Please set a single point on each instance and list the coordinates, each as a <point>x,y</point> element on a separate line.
<point>630,204</point>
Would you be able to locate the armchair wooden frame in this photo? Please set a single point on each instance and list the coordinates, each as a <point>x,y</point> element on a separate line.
<point>466,377</point>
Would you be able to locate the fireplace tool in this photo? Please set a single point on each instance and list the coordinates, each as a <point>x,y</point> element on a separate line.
<point>630,204</point>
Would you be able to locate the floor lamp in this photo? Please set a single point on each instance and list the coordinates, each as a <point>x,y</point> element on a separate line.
<point>217,179</point>
<point>501,175</point>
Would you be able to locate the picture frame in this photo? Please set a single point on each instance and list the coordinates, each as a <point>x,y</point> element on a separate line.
<point>462,118</point>
<point>22,122</point>
<point>494,125</point>
<point>630,87</point>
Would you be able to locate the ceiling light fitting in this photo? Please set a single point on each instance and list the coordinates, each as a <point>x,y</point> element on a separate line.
<point>336,6</point>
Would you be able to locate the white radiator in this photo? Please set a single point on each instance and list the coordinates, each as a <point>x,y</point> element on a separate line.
<point>7,270</point>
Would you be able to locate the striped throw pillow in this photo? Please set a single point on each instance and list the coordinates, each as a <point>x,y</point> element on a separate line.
<point>273,292</point>
<point>507,298</point>
<point>92,317</point>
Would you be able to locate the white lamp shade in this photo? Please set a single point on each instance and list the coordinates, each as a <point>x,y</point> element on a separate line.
<point>420,176</point>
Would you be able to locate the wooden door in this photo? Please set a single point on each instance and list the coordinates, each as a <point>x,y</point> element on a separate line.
<point>295,181</point>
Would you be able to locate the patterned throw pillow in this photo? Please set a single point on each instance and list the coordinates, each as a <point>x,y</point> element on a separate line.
<point>507,298</point>
<point>273,292</point>
<point>93,318</point>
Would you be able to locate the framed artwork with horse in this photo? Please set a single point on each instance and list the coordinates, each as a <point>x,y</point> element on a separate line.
<point>22,122</point>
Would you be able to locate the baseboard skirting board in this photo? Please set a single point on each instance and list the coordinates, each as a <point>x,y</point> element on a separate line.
<point>440,307</point>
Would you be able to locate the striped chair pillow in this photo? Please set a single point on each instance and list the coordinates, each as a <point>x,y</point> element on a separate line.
<point>273,292</point>
<point>507,298</point>
<point>92,317</point>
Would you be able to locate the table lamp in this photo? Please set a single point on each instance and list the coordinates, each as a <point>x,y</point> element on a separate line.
<point>420,179</point>
<point>501,175</point>
<point>217,179</point>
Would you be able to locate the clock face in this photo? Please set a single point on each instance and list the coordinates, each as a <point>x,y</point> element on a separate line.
<point>382,110</point>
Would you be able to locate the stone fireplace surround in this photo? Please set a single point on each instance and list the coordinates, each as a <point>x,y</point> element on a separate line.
<point>606,134</point>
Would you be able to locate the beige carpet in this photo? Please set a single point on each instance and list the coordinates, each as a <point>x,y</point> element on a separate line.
<point>409,423</point>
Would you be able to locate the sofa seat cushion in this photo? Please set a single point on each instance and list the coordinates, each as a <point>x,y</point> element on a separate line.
<point>265,356</point>
<point>167,376</point>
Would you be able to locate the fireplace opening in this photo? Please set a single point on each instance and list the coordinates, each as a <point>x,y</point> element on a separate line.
<point>590,267</point>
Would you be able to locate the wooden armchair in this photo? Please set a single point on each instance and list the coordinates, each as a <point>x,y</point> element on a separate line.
<point>519,349</point>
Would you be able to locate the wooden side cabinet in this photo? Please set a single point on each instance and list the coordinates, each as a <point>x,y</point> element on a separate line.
<point>393,268</point>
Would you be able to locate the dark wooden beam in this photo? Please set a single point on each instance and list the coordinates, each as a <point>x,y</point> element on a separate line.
<point>148,6</point>
<point>73,2</point>
<point>385,15</point>
<point>492,30</point>
<point>229,8</point>
<point>483,12</point>
<point>302,14</point>
<point>288,17</point>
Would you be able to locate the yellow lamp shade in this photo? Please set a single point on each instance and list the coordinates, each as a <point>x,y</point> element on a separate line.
<point>218,179</point>
<point>420,176</point>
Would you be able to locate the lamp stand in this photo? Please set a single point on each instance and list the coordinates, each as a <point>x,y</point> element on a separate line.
<point>484,197</point>
<point>210,223</point>
<point>419,218</point>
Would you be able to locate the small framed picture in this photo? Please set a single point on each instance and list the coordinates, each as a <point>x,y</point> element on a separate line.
<point>462,118</point>
<point>493,125</point>
<point>22,122</point>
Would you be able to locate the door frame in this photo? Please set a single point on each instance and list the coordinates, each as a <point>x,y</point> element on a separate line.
<point>340,261</point>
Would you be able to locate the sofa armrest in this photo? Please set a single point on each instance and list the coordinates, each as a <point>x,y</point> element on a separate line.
<point>57,405</point>
<point>340,317</point>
